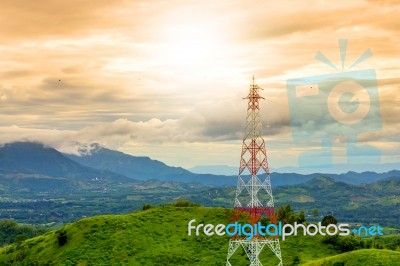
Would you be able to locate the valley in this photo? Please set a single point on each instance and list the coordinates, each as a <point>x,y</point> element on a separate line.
<point>67,188</point>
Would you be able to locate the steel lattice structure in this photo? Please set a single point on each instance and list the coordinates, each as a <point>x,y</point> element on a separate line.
<point>254,198</point>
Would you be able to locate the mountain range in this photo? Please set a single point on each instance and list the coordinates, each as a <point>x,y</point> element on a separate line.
<point>28,157</point>
<point>99,165</point>
<point>136,167</point>
<point>143,168</point>
<point>327,169</point>
<point>60,188</point>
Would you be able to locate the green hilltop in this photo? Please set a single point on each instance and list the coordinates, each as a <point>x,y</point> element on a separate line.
<point>369,257</point>
<point>158,236</point>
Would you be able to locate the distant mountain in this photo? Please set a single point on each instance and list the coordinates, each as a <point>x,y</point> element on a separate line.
<point>320,182</point>
<point>98,163</point>
<point>36,158</point>
<point>35,177</point>
<point>340,168</point>
<point>214,169</point>
<point>280,179</point>
<point>26,165</point>
<point>136,167</point>
<point>33,166</point>
<point>326,169</point>
<point>388,185</point>
<point>144,168</point>
<point>364,177</point>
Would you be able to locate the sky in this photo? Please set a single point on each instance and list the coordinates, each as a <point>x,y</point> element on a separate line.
<point>166,79</point>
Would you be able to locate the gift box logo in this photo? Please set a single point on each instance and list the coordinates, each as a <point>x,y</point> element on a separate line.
<point>340,104</point>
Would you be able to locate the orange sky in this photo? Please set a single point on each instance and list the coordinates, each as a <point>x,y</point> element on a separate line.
<point>166,78</point>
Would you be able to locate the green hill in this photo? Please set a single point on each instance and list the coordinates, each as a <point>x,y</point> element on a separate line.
<point>369,257</point>
<point>157,236</point>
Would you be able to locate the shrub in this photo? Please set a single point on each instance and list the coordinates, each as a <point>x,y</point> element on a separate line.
<point>19,238</point>
<point>296,260</point>
<point>62,237</point>
<point>348,243</point>
<point>338,263</point>
<point>330,239</point>
<point>185,203</point>
<point>147,206</point>
<point>391,246</point>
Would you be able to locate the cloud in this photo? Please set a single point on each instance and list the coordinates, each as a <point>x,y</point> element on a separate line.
<point>48,18</point>
<point>142,73</point>
<point>385,2</point>
<point>207,122</point>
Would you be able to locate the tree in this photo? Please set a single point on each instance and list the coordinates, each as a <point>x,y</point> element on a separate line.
<point>287,216</point>
<point>265,221</point>
<point>11,232</point>
<point>301,217</point>
<point>315,212</point>
<point>328,219</point>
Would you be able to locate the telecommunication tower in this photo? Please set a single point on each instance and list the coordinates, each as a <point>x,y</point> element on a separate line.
<point>254,198</point>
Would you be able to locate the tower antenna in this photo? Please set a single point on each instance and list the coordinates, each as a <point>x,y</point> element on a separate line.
<point>254,198</point>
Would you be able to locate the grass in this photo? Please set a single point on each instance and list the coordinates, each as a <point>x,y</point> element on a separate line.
<point>158,236</point>
<point>370,257</point>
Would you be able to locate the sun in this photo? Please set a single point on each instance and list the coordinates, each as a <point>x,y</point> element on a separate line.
<point>195,47</point>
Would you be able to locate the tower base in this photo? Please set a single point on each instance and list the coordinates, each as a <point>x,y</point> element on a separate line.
<point>253,248</point>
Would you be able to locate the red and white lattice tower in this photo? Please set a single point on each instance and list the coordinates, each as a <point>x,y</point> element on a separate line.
<point>254,198</point>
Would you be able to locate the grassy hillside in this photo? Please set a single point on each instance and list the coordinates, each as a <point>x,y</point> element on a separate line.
<point>369,257</point>
<point>157,236</point>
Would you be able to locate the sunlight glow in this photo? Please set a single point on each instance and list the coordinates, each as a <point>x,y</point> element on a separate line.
<point>192,48</point>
